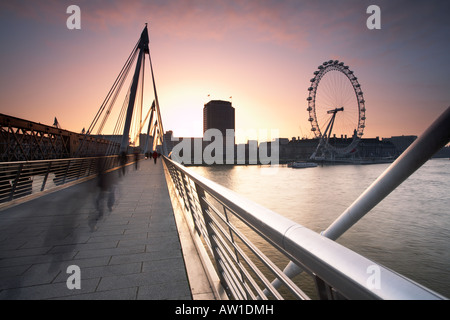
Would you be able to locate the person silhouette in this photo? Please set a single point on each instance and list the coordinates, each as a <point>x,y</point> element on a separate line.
<point>136,159</point>
<point>123,161</point>
<point>106,193</point>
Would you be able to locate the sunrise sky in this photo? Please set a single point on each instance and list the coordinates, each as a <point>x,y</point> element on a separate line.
<point>261,53</point>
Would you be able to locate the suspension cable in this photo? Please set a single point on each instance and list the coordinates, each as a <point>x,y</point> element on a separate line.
<point>116,94</point>
<point>125,68</point>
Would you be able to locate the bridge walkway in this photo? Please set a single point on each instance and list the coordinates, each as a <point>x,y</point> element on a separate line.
<point>133,251</point>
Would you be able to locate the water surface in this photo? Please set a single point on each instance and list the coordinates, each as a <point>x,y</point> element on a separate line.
<point>408,232</point>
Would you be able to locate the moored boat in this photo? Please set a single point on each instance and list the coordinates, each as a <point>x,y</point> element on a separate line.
<point>298,165</point>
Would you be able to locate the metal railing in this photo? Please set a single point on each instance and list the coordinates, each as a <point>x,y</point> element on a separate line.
<point>246,242</point>
<point>24,178</point>
<point>226,222</point>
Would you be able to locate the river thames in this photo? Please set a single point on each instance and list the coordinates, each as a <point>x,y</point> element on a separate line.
<point>408,232</point>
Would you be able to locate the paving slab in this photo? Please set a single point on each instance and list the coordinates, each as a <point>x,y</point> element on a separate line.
<point>131,252</point>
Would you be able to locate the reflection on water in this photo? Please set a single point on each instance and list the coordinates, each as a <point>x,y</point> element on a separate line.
<point>407,232</point>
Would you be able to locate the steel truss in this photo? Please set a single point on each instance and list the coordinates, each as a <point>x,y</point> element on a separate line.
<point>23,140</point>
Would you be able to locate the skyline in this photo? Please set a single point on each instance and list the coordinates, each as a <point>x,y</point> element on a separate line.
<point>260,53</point>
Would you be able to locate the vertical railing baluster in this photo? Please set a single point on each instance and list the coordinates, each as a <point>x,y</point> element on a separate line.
<point>89,167</point>
<point>210,232</point>
<point>16,181</point>
<point>234,244</point>
<point>46,176</point>
<point>176,179</point>
<point>80,168</point>
<point>323,290</point>
<point>65,174</point>
<point>181,189</point>
<point>196,202</point>
<point>189,197</point>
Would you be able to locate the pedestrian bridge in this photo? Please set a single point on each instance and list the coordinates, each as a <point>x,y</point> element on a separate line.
<point>110,228</point>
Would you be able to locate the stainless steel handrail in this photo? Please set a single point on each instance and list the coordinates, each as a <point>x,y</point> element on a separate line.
<point>222,218</point>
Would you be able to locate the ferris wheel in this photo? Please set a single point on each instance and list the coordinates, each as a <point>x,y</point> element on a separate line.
<point>336,107</point>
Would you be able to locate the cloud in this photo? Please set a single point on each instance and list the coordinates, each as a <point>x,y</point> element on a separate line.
<point>291,23</point>
<point>43,11</point>
<point>264,21</point>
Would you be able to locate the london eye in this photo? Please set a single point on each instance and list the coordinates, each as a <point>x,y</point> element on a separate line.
<point>336,108</point>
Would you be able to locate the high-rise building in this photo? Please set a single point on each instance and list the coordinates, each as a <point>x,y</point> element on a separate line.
<point>218,114</point>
